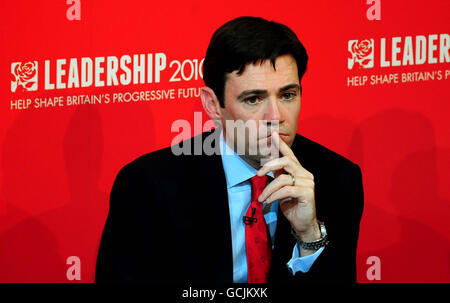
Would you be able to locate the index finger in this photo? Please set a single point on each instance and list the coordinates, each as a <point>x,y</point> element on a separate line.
<point>284,149</point>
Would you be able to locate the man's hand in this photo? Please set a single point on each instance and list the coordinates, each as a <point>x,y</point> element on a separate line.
<point>297,199</point>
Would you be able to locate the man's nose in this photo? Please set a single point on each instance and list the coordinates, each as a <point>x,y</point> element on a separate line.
<point>272,111</point>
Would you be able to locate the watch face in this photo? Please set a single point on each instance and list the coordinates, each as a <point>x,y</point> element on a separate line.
<point>323,230</point>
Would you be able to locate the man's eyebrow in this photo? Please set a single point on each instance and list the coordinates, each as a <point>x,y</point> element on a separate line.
<point>288,87</point>
<point>259,92</point>
<point>246,93</point>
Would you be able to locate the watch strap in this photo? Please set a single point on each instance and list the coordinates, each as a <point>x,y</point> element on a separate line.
<point>314,245</point>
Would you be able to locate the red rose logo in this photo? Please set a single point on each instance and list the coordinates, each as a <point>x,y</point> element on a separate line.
<point>361,53</point>
<point>362,49</point>
<point>25,76</point>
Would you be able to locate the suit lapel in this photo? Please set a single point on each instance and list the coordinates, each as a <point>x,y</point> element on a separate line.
<point>213,259</point>
<point>219,229</point>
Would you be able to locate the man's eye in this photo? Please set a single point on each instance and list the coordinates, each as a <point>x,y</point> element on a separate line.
<point>289,96</point>
<point>253,100</point>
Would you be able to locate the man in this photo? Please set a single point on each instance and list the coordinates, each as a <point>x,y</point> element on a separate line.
<point>239,217</point>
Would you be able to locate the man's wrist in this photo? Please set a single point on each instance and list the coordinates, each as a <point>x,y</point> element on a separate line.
<point>311,239</point>
<point>311,234</point>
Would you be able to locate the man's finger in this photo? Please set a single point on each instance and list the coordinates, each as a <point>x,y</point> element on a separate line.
<point>284,149</point>
<point>278,164</point>
<point>285,180</point>
<point>287,164</point>
<point>283,193</point>
<point>275,185</point>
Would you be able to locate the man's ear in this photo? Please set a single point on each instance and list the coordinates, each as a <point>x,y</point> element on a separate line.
<point>210,103</point>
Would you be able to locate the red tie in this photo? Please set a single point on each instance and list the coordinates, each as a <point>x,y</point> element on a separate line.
<point>259,250</point>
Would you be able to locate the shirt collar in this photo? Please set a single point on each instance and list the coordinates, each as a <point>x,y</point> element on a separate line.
<point>236,169</point>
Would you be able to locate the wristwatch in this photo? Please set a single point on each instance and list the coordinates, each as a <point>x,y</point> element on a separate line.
<point>314,245</point>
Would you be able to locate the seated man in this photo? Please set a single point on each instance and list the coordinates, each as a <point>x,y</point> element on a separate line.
<point>238,214</point>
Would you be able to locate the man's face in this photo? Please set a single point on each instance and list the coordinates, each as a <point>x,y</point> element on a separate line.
<point>270,97</point>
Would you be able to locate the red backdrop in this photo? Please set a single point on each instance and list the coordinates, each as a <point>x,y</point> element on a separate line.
<point>59,160</point>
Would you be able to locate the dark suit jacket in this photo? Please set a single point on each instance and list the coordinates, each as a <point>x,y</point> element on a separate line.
<point>169,219</point>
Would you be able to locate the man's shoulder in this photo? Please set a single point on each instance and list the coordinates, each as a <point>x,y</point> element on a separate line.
<point>154,158</point>
<point>189,152</point>
<point>315,154</point>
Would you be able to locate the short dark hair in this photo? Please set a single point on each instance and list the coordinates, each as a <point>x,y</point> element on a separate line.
<point>247,40</point>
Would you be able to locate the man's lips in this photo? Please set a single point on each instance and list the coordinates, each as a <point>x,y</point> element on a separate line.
<point>282,135</point>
